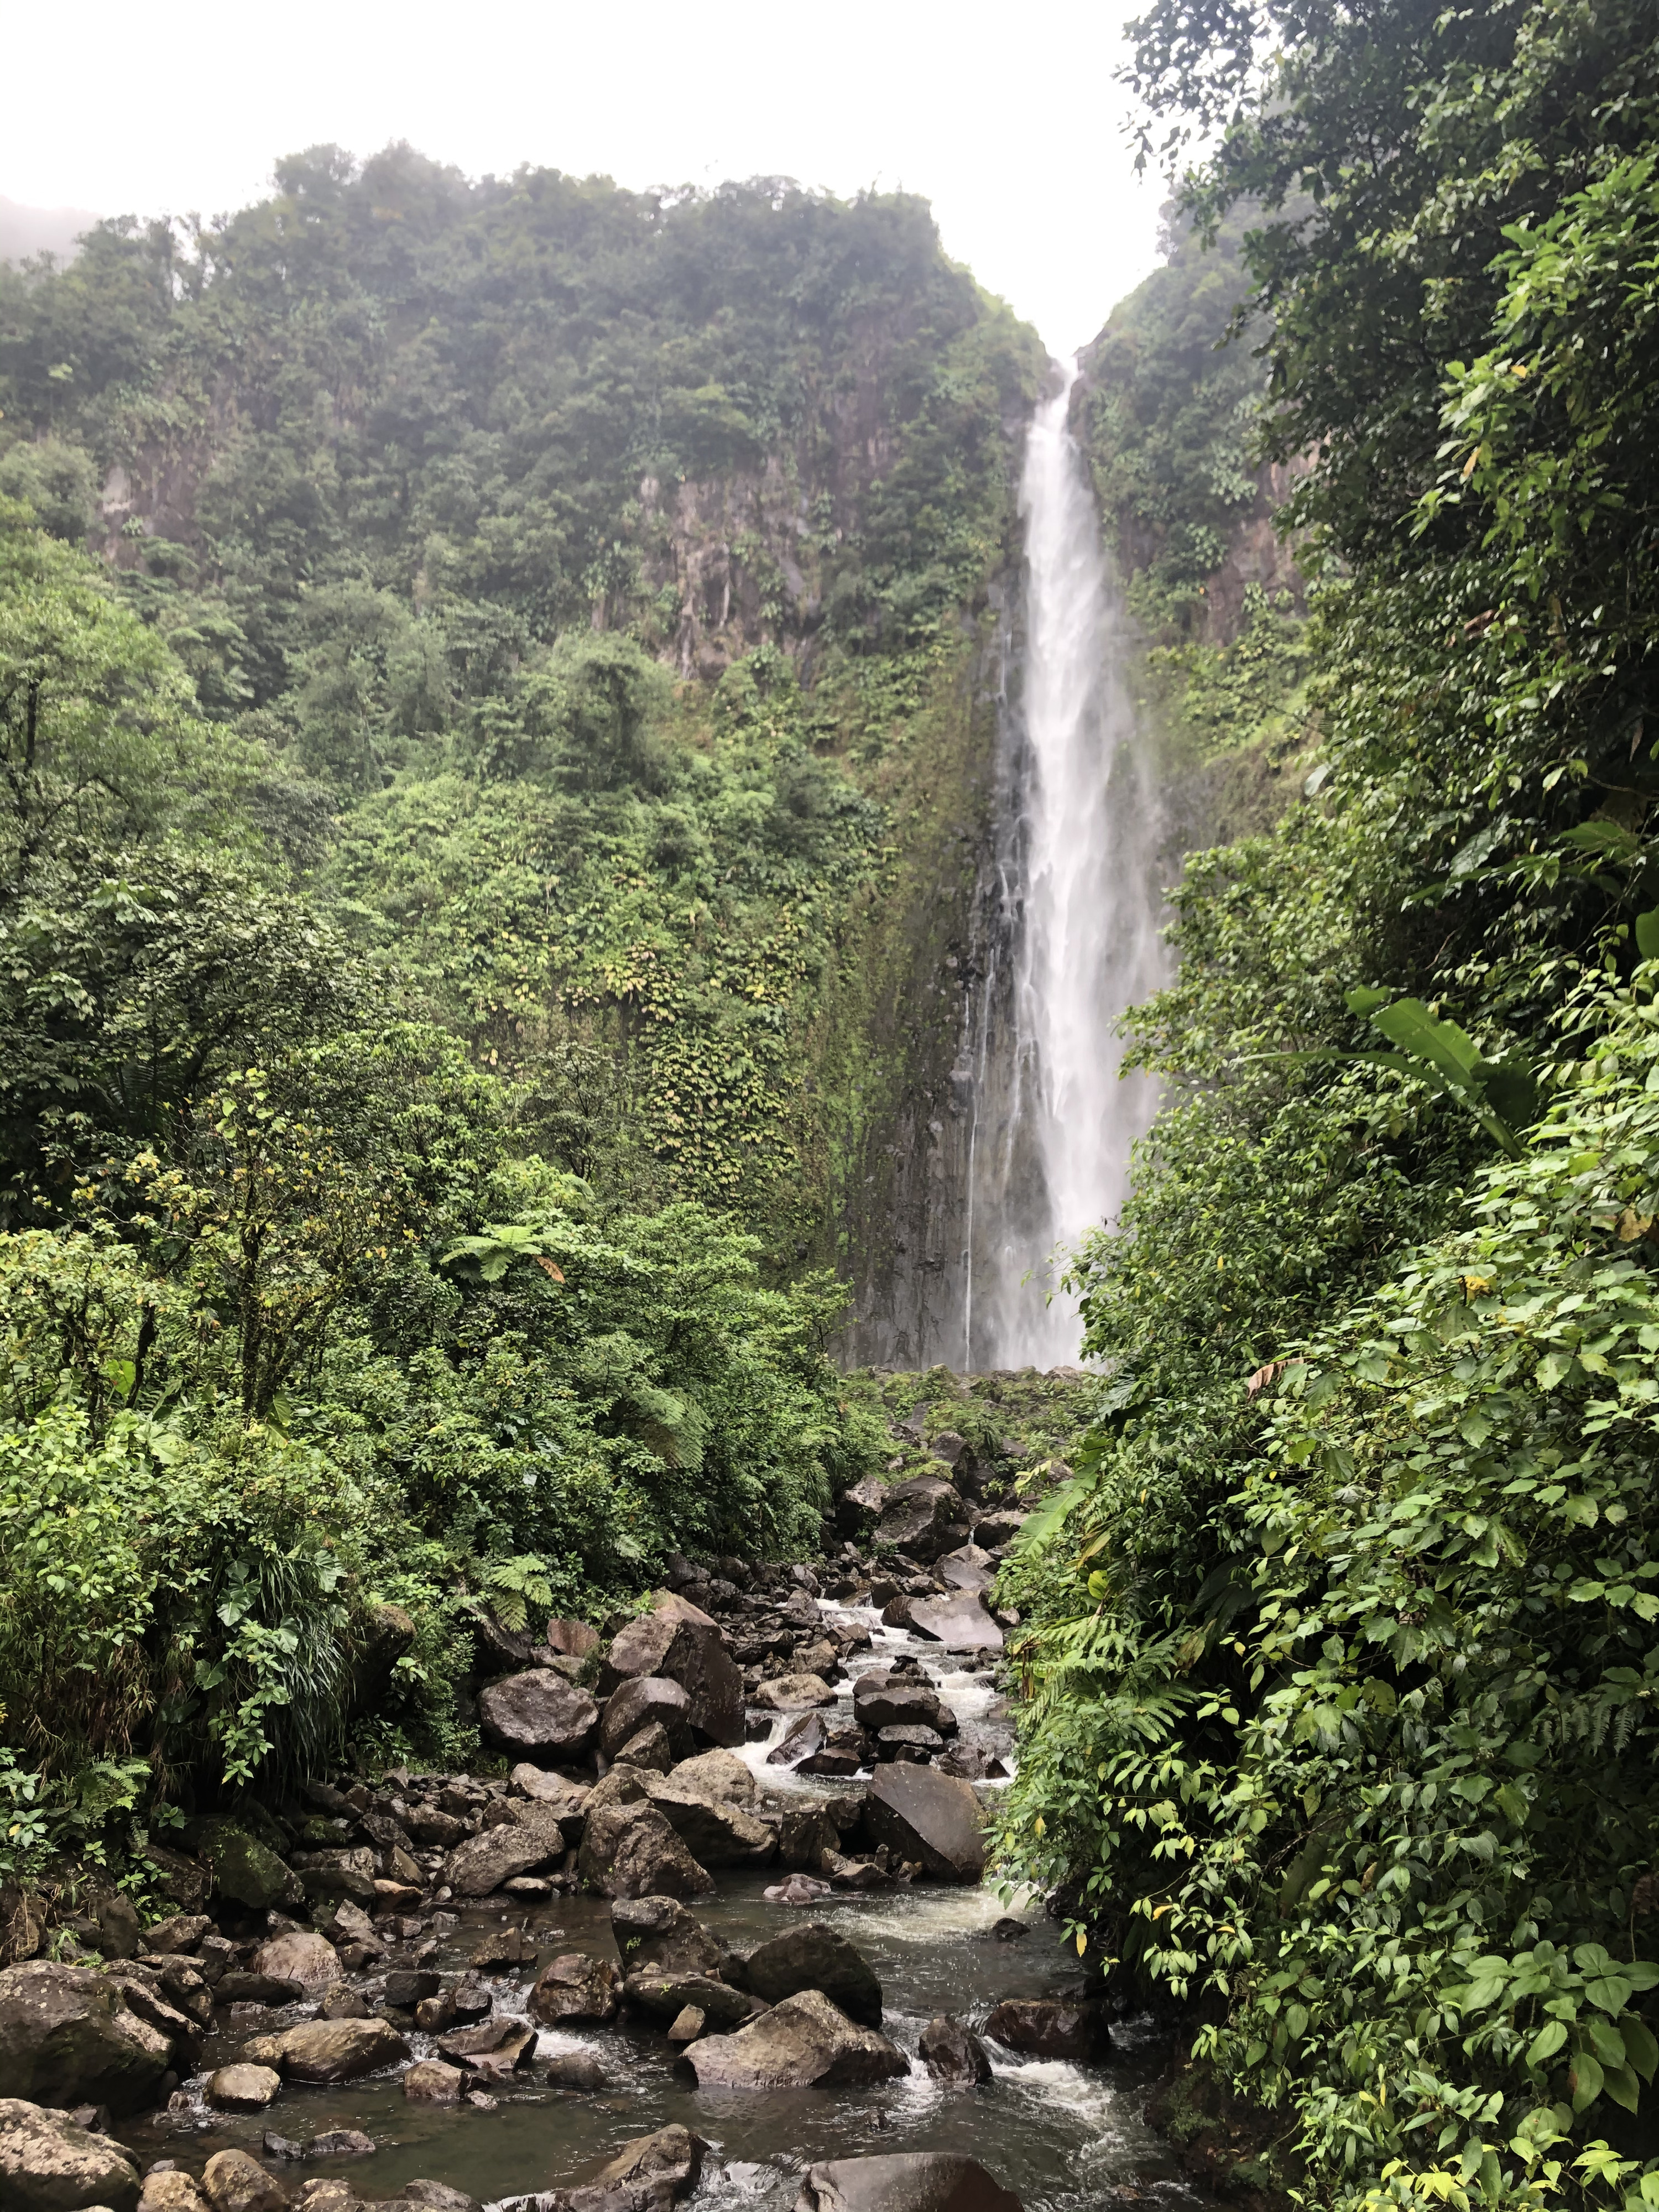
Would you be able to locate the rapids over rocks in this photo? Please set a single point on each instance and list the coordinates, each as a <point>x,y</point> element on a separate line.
<point>485,2072</point>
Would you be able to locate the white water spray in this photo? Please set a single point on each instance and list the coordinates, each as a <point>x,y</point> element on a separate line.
<point>1079,899</point>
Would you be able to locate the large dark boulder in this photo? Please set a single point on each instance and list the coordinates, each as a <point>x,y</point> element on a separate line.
<point>960,1621</point>
<point>575,1986</point>
<point>953,2052</point>
<point>641,1700</point>
<point>677,1640</point>
<point>666,1996</point>
<point>813,1956</point>
<point>49,2165</point>
<point>882,1701</point>
<point>629,1850</point>
<point>803,2042</point>
<point>928,1816</point>
<point>328,2049</point>
<point>538,1715</point>
<point>923,1516</point>
<point>1051,2028</point>
<point>70,2036</point>
<point>658,1934</point>
<point>907,2181</point>
<point>650,2174</point>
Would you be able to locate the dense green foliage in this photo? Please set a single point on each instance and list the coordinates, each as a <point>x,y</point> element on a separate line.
<point>415,991</point>
<point>1342,1642</point>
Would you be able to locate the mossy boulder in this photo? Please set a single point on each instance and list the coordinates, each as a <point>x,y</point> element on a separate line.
<point>245,1871</point>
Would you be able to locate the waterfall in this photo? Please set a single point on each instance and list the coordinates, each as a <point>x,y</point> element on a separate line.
<point>1073,932</point>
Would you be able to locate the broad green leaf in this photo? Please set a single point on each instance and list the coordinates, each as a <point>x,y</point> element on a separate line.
<point>1611,1991</point>
<point>1547,2041</point>
<point>1641,2049</point>
<point>1605,2041</point>
<point>1586,2080</point>
<point>1622,2087</point>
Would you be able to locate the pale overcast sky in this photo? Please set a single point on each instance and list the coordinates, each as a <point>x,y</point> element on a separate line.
<point>1010,125</point>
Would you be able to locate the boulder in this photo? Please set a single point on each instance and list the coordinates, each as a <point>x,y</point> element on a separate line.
<point>793,1693</point>
<point>719,1775</point>
<point>171,2192</point>
<point>813,1956</point>
<point>928,1816</point>
<point>804,2041</point>
<point>575,1986</point>
<point>181,1933</point>
<point>912,1742</point>
<point>658,1934</point>
<point>906,2181</point>
<point>650,2174</point>
<point>805,1835</point>
<point>650,1747</point>
<point>967,1568</point>
<point>244,2089</point>
<point>538,1714</point>
<point>557,1820</point>
<point>638,1701</point>
<point>630,1850</point>
<point>715,1831</point>
<point>257,1989</point>
<point>954,2052</point>
<point>1051,2028</point>
<point>439,2197</point>
<point>245,1871</point>
<point>329,2050</point>
<point>666,1996</point>
<point>349,1874</point>
<point>861,1503</point>
<point>566,1797</point>
<point>998,1529</point>
<point>234,2182</point>
<point>390,1638</point>
<point>921,1516</point>
<point>800,1739</point>
<point>960,1621</point>
<point>431,2082</point>
<point>342,2142</point>
<point>881,1701</point>
<point>677,1641</point>
<point>485,1861</point>
<point>493,2050</point>
<point>179,1878</point>
<point>571,1639</point>
<point>302,1957</point>
<point>575,2069</point>
<point>47,2164</point>
<point>70,2036</point>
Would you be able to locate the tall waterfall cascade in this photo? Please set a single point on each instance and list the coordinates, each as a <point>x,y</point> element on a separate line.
<point>1074,936</point>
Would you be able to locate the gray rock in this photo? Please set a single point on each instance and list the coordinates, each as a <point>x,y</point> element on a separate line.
<point>881,1701</point>
<point>907,2181</point>
<point>1051,2028</point>
<point>566,1797</point>
<point>650,2174</point>
<point>967,1568</point>
<point>636,1704</point>
<point>341,2142</point>
<point>171,2190</point>
<point>918,1517</point>
<point>575,1986</point>
<point>666,1996</point>
<point>538,1714</point>
<point>911,1742</point>
<point>244,2089</point>
<point>677,1641</point>
<point>720,1776</point>
<point>630,1850</point>
<point>716,1832</point>
<point>234,2182</point>
<point>996,1528</point>
<point>650,1747</point>
<point>804,2041</point>
<point>329,2050</point>
<point>70,2036</point>
<point>929,1817</point>
<point>439,2197</point>
<point>954,2052</point>
<point>802,1738</point>
<point>182,1933</point>
<point>793,1693</point>
<point>575,2069</point>
<point>485,1861</point>
<point>961,1621</point>
<point>657,1933</point>
<point>811,1955</point>
<point>433,2081</point>
<point>300,1956</point>
<point>47,2164</point>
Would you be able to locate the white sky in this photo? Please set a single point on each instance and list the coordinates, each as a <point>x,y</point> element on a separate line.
<point>1010,126</point>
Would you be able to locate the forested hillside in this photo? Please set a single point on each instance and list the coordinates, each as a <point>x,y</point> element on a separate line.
<point>1341,1650</point>
<point>494,695</point>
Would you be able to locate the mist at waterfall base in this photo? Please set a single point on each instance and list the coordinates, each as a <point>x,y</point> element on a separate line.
<point>1075,936</point>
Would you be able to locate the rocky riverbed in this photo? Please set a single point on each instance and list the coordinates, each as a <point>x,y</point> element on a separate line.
<point>720,1927</point>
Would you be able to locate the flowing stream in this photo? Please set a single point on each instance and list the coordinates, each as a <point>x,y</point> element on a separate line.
<point>1065,2137</point>
<point>1074,931</point>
